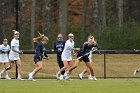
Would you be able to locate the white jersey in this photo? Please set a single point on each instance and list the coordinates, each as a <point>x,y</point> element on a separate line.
<point>4,56</point>
<point>67,52</point>
<point>14,55</point>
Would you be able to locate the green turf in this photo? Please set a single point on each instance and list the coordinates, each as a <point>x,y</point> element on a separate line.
<point>75,86</point>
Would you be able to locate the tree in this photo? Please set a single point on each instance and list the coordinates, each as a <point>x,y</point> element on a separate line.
<point>120,12</point>
<point>23,18</point>
<point>96,20</point>
<point>63,7</point>
<point>84,18</point>
<point>48,17</point>
<point>103,13</point>
<point>32,22</point>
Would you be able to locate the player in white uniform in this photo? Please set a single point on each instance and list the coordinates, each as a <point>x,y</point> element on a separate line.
<point>14,53</point>
<point>87,47</point>
<point>4,50</point>
<point>66,55</point>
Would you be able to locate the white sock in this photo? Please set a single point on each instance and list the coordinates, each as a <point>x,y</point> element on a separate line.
<point>59,72</point>
<point>19,76</point>
<point>1,71</point>
<point>7,75</point>
<point>66,73</point>
<point>82,73</point>
<point>33,72</point>
<point>89,76</point>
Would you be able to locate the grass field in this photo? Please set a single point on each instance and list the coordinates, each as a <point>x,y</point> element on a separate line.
<point>117,65</point>
<point>75,86</point>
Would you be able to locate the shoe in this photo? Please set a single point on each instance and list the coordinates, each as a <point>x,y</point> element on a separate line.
<point>80,76</point>
<point>68,78</point>
<point>30,76</point>
<point>58,76</point>
<point>92,78</point>
<point>20,79</point>
<point>61,77</point>
<point>135,72</point>
<point>7,77</point>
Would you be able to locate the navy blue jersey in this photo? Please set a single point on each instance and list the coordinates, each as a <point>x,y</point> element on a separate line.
<point>41,50</point>
<point>59,46</point>
<point>85,48</point>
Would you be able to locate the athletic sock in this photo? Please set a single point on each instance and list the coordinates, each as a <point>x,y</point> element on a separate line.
<point>82,73</point>
<point>2,71</point>
<point>19,76</point>
<point>33,72</point>
<point>66,73</point>
<point>59,72</point>
<point>89,76</point>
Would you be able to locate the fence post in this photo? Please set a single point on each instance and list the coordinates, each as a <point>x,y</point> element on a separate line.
<point>104,66</point>
<point>17,30</point>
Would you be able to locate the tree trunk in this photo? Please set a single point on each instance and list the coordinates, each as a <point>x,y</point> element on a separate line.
<point>32,22</point>
<point>96,21</point>
<point>103,13</point>
<point>120,12</point>
<point>84,19</point>
<point>48,18</point>
<point>63,7</point>
<point>23,18</point>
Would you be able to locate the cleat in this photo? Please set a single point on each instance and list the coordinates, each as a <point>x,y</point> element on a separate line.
<point>135,72</point>
<point>20,79</point>
<point>68,78</point>
<point>61,77</point>
<point>7,77</point>
<point>80,76</point>
<point>31,77</point>
<point>92,78</point>
<point>58,76</point>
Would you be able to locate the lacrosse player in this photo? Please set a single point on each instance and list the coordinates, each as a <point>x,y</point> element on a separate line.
<point>66,55</point>
<point>14,53</point>
<point>81,55</point>
<point>59,47</point>
<point>86,70</point>
<point>40,52</point>
<point>4,51</point>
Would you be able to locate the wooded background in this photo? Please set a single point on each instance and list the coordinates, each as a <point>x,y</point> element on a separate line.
<point>114,23</point>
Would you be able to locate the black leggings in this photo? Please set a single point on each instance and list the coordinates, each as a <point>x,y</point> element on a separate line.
<point>60,63</point>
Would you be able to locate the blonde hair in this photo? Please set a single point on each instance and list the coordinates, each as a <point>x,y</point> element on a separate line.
<point>93,41</point>
<point>15,32</point>
<point>40,38</point>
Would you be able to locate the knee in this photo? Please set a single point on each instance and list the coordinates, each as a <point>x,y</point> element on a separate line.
<point>40,67</point>
<point>8,68</point>
<point>75,66</point>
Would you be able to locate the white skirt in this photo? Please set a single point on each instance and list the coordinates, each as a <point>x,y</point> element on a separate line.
<point>14,57</point>
<point>4,59</point>
<point>66,57</point>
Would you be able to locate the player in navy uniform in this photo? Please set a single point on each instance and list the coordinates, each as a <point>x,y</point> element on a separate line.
<point>40,52</point>
<point>85,48</point>
<point>86,70</point>
<point>58,47</point>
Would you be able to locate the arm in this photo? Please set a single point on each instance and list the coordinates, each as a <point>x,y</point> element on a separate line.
<point>13,49</point>
<point>45,52</point>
